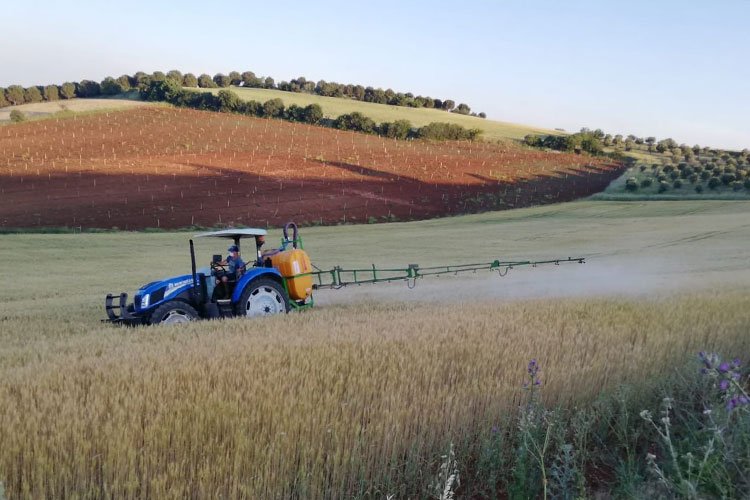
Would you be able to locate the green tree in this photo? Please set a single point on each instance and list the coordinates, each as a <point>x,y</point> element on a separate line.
<point>440,131</point>
<point>273,108</point>
<point>355,121</point>
<point>294,113</point>
<point>32,94</point>
<point>15,95</point>
<point>17,116</point>
<point>482,115</point>
<point>268,83</point>
<point>68,90</point>
<point>140,80</point>
<point>110,86</point>
<point>175,75</point>
<point>206,82</point>
<point>3,101</point>
<point>163,90</point>
<point>189,80</point>
<point>400,129</point>
<point>51,93</point>
<point>312,113</point>
<point>87,88</point>
<point>221,80</point>
<point>124,81</point>
<point>250,80</point>
<point>235,78</point>
<point>228,101</point>
<point>158,76</point>
<point>250,108</point>
<point>448,105</point>
<point>462,109</point>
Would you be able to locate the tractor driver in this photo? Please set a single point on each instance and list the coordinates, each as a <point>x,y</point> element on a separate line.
<point>234,266</point>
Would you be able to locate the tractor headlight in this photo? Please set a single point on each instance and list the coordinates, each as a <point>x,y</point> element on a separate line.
<point>145,300</point>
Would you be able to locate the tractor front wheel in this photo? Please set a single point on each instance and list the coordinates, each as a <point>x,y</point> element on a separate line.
<point>263,297</point>
<point>172,313</point>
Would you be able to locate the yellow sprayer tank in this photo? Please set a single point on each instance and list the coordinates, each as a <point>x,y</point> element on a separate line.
<point>291,263</point>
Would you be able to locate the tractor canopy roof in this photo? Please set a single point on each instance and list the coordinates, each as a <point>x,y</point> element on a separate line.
<point>234,234</point>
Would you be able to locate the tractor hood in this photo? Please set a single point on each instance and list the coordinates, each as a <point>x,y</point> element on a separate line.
<point>156,292</point>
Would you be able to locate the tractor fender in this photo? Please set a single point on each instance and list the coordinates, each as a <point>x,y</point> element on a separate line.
<point>250,275</point>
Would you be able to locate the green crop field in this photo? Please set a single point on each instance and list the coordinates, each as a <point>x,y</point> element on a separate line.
<point>366,395</point>
<point>334,107</point>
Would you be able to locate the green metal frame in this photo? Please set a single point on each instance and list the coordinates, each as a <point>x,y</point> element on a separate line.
<point>338,277</point>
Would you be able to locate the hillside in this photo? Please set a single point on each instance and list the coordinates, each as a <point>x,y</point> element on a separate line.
<point>51,109</point>
<point>163,167</point>
<point>335,106</point>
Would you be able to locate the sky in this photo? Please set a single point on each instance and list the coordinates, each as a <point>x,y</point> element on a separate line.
<point>668,68</point>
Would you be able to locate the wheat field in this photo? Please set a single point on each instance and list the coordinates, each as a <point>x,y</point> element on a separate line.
<point>334,403</point>
<point>362,396</point>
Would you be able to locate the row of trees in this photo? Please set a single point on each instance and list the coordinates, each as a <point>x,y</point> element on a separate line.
<point>227,101</point>
<point>593,141</point>
<point>16,94</point>
<point>584,141</point>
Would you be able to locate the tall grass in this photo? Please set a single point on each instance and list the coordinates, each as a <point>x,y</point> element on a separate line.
<point>339,402</point>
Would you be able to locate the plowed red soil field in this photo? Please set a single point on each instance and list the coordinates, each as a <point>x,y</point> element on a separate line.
<point>160,167</point>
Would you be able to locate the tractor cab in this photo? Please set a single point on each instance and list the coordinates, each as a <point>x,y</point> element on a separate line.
<point>221,276</point>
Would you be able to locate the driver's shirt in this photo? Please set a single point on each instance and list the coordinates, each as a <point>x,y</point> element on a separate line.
<point>235,264</point>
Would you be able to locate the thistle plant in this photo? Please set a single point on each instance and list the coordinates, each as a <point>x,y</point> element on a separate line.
<point>534,421</point>
<point>727,407</point>
<point>727,379</point>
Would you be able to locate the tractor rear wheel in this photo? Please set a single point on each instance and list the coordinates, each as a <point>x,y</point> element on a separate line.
<point>172,313</point>
<point>263,297</point>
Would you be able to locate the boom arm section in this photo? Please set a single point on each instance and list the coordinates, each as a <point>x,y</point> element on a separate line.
<point>338,278</point>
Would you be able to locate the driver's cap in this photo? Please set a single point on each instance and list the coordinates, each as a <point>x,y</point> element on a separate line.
<point>233,248</point>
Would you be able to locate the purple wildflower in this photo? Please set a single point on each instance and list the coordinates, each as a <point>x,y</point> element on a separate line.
<point>724,367</point>
<point>495,430</point>
<point>736,363</point>
<point>724,385</point>
<point>533,367</point>
<point>533,371</point>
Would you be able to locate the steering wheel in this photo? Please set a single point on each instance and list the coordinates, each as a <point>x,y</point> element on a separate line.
<point>218,266</point>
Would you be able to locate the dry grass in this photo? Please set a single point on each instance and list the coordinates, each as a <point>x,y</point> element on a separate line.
<point>335,106</point>
<point>40,110</point>
<point>334,402</point>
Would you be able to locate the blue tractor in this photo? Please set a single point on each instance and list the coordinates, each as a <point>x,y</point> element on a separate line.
<point>258,289</point>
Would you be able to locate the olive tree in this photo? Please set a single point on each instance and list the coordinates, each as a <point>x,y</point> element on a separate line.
<point>205,82</point>
<point>189,80</point>
<point>68,90</point>
<point>32,94</point>
<point>51,93</point>
<point>15,95</point>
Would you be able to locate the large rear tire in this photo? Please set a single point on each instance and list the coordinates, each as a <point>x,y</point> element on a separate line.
<point>262,297</point>
<point>172,313</point>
